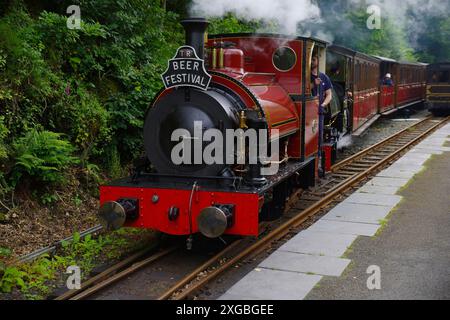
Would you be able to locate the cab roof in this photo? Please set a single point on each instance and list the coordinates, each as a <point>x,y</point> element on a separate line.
<point>266,35</point>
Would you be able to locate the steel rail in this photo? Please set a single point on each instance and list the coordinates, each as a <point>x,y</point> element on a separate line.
<point>133,268</point>
<point>108,272</point>
<point>179,285</point>
<point>40,252</point>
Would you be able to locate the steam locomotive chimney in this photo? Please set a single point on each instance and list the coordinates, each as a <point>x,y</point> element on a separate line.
<point>195,34</point>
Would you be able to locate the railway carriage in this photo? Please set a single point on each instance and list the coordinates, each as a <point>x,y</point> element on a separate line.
<point>411,84</point>
<point>242,83</point>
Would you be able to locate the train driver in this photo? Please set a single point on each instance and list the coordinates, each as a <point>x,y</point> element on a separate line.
<point>321,83</point>
<point>322,88</point>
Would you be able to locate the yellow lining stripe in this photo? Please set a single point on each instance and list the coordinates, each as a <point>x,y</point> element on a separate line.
<point>278,124</point>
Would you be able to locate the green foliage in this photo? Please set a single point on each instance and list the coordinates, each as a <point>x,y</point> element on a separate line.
<point>3,134</point>
<point>82,251</point>
<point>113,162</point>
<point>374,41</point>
<point>48,198</point>
<point>12,277</point>
<point>93,85</point>
<point>5,252</point>
<point>231,24</point>
<point>33,278</point>
<point>28,277</point>
<point>434,41</point>
<point>42,156</point>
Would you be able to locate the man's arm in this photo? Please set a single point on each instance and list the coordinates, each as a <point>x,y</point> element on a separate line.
<point>328,98</point>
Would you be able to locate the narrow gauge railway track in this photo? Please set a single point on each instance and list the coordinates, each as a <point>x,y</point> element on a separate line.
<point>115,273</point>
<point>137,261</point>
<point>345,176</point>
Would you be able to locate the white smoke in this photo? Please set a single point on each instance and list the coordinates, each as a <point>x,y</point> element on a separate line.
<point>397,9</point>
<point>344,142</point>
<point>399,13</point>
<point>287,13</point>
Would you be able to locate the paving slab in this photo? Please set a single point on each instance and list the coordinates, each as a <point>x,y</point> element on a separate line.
<point>391,173</point>
<point>432,148</point>
<point>419,155</point>
<point>359,213</point>
<point>442,134</point>
<point>413,167</point>
<point>436,141</point>
<point>426,151</point>
<point>387,182</point>
<point>374,199</point>
<point>319,243</point>
<point>379,190</point>
<point>265,284</point>
<point>305,263</point>
<point>359,229</point>
<point>413,160</point>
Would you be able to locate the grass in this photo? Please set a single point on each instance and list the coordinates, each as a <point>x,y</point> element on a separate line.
<point>348,252</point>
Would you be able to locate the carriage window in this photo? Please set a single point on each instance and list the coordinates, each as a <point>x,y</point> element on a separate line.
<point>284,59</point>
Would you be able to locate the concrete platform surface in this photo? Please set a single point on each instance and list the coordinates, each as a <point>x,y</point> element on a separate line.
<point>412,250</point>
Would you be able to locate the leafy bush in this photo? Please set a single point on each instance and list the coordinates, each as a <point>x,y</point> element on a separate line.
<point>12,277</point>
<point>231,24</point>
<point>43,156</point>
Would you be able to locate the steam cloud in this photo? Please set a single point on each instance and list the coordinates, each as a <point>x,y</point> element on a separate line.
<point>326,19</point>
<point>287,13</point>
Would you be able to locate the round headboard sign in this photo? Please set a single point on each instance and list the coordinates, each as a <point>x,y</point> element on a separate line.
<point>186,69</point>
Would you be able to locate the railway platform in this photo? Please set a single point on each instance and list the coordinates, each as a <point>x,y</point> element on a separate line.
<point>388,240</point>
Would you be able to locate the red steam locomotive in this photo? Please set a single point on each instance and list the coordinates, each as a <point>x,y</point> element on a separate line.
<point>247,83</point>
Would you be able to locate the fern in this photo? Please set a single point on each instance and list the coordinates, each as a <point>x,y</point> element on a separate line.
<point>42,156</point>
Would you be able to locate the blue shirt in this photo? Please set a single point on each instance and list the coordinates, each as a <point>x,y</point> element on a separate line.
<point>324,86</point>
<point>388,82</point>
